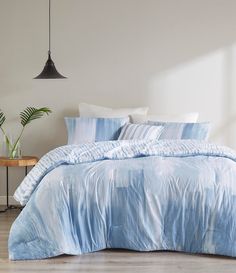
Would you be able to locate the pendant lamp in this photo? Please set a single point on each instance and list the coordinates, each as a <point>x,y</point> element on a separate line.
<point>49,70</point>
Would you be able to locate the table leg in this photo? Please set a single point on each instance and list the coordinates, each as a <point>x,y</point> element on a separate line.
<point>7,192</point>
<point>7,186</point>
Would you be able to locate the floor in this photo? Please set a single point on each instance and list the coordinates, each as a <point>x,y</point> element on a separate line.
<point>112,260</point>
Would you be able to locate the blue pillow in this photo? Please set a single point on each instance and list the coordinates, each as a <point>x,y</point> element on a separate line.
<point>140,131</point>
<point>85,130</point>
<point>179,130</point>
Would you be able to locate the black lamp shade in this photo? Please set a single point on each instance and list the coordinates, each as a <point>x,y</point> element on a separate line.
<point>50,71</point>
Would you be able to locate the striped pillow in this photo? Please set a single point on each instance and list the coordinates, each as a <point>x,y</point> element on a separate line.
<point>86,130</point>
<point>179,130</point>
<point>140,131</point>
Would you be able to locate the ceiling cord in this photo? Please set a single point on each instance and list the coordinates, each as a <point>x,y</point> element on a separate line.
<point>49,24</point>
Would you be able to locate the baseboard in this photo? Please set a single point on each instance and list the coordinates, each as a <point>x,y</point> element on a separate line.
<point>12,201</point>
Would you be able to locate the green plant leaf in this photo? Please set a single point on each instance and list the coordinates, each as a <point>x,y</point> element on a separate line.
<point>31,113</point>
<point>8,143</point>
<point>2,118</point>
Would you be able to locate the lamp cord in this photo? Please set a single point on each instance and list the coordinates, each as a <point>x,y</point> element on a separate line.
<point>49,24</point>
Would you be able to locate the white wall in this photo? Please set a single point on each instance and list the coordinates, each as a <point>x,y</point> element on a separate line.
<point>174,56</point>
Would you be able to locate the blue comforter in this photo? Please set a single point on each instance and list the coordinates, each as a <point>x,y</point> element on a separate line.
<point>156,195</point>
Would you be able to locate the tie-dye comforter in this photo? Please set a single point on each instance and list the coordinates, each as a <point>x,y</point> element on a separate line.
<point>139,195</point>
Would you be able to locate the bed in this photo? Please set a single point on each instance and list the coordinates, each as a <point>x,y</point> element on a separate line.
<point>143,195</point>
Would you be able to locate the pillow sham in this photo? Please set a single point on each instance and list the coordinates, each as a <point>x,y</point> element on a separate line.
<point>85,130</point>
<point>179,130</point>
<point>95,111</point>
<point>140,131</point>
<point>187,117</point>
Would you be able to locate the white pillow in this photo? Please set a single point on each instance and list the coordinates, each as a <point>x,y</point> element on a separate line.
<point>95,111</point>
<point>140,131</point>
<point>187,118</point>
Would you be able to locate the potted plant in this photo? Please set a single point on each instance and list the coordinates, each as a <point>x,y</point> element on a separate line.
<point>26,116</point>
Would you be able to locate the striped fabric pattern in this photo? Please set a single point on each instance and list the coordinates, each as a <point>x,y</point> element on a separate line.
<point>140,131</point>
<point>87,130</point>
<point>179,130</point>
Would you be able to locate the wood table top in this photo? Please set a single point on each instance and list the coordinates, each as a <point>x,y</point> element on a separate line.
<point>24,161</point>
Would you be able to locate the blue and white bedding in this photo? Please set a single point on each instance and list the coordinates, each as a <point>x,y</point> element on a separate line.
<point>142,195</point>
<point>87,130</point>
<point>131,131</point>
<point>182,130</point>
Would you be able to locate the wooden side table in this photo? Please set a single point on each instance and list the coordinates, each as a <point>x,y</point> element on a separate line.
<point>24,161</point>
